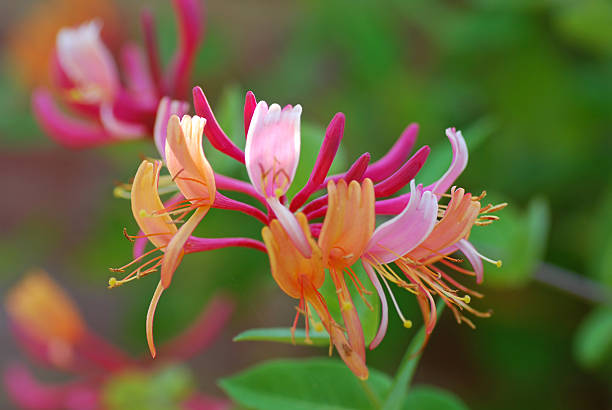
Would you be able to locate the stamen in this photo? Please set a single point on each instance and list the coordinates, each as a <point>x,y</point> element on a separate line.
<point>407,323</point>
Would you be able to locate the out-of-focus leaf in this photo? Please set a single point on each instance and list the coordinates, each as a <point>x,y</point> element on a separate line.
<point>587,23</point>
<point>369,318</point>
<point>600,242</point>
<point>165,389</point>
<point>518,239</point>
<point>304,385</point>
<point>432,398</point>
<point>593,340</point>
<point>283,335</point>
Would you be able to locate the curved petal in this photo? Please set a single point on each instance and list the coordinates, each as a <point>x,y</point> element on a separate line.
<point>384,320</point>
<point>458,164</point>
<point>147,207</point>
<point>472,255</point>
<point>400,235</point>
<point>67,131</point>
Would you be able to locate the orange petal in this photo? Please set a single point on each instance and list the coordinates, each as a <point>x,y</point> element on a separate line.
<point>174,250</point>
<point>148,208</point>
<point>150,315</point>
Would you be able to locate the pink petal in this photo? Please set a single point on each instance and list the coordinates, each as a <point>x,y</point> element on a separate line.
<point>118,128</point>
<point>291,225</point>
<point>213,130</point>
<point>458,164</point>
<point>272,148</point>
<point>392,160</point>
<point>195,244</point>
<point>401,234</point>
<point>150,40</point>
<point>165,110</point>
<point>27,392</point>
<point>384,320</point>
<point>355,173</point>
<point>402,176</point>
<point>327,153</point>
<point>137,73</point>
<point>70,132</point>
<point>87,62</point>
<point>223,202</point>
<point>249,108</point>
<point>473,256</point>
<point>190,25</point>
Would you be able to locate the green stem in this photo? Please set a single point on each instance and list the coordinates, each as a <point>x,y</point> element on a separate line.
<point>371,395</point>
<point>406,369</point>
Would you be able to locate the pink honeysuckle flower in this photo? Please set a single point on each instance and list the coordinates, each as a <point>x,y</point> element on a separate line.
<point>87,79</point>
<point>422,232</point>
<point>47,324</point>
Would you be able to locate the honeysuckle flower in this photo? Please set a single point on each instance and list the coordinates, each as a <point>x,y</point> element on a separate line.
<point>301,277</point>
<point>303,250</point>
<point>49,327</point>
<point>88,81</point>
<point>415,240</point>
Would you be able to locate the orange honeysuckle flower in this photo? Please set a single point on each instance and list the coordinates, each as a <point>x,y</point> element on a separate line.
<point>40,308</point>
<point>195,179</point>
<point>301,277</point>
<point>347,228</point>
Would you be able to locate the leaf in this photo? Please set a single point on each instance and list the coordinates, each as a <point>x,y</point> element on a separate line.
<point>322,384</point>
<point>432,398</point>
<point>407,367</point>
<point>283,335</point>
<point>593,340</point>
<point>519,239</point>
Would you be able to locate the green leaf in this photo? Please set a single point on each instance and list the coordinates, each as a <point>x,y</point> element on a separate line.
<point>322,384</point>
<point>593,340</point>
<point>408,365</point>
<point>519,239</point>
<point>283,335</point>
<point>432,398</point>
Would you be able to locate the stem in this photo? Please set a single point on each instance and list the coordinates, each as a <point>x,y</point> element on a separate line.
<point>376,404</point>
<point>572,283</point>
<point>407,367</point>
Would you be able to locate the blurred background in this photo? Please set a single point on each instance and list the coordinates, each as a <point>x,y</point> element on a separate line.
<point>528,81</point>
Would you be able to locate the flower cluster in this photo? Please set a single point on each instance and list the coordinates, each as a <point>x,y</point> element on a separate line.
<point>87,80</point>
<point>51,330</point>
<point>307,239</point>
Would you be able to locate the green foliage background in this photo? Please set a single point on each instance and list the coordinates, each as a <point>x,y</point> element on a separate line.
<point>529,82</point>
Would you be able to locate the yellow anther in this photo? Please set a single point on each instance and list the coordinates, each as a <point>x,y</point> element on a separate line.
<point>317,326</point>
<point>498,263</point>
<point>143,213</point>
<point>308,341</point>
<point>467,299</point>
<point>407,323</point>
<point>346,305</point>
<point>278,192</point>
<point>112,282</point>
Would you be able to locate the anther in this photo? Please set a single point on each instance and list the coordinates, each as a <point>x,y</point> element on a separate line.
<point>407,323</point>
